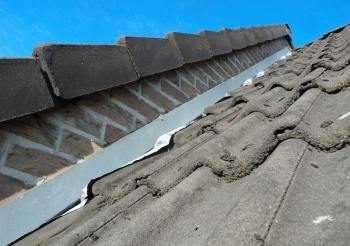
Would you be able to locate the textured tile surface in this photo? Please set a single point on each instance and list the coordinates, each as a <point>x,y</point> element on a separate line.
<point>192,48</point>
<point>76,70</point>
<point>267,166</point>
<point>217,41</point>
<point>22,81</point>
<point>151,55</point>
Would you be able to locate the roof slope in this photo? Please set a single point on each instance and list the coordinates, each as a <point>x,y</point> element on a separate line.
<point>268,165</point>
<point>45,154</point>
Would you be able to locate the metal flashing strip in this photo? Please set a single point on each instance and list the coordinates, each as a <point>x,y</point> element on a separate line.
<point>38,205</point>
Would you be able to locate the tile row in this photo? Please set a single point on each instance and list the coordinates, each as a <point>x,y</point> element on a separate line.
<point>59,72</point>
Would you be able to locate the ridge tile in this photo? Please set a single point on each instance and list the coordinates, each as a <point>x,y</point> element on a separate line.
<point>76,70</point>
<point>235,38</point>
<point>217,42</point>
<point>267,32</point>
<point>249,36</point>
<point>23,88</point>
<point>151,55</point>
<point>191,47</point>
<point>259,33</point>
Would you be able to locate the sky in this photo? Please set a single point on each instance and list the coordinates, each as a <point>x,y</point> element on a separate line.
<point>25,23</point>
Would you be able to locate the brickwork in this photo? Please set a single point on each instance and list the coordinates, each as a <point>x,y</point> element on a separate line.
<point>37,146</point>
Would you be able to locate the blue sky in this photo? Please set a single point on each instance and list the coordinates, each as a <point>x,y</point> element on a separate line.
<point>25,23</point>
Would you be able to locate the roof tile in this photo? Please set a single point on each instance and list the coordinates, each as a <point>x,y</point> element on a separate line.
<point>267,32</point>
<point>235,38</point>
<point>22,81</point>
<point>217,42</point>
<point>192,48</point>
<point>259,33</point>
<point>274,31</point>
<point>249,36</point>
<point>76,70</point>
<point>151,55</point>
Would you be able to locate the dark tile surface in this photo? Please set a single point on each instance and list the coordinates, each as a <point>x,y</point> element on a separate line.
<point>217,41</point>
<point>22,81</point>
<point>249,36</point>
<point>235,38</point>
<point>151,55</point>
<point>274,31</point>
<point>259,33</point>
<point>192,48</point>
<point>267,32</point>
<point>267,166</point>
<point>67,71</point>
<point>76,70</point>
<point>282,30</point>
<point>316,208</point>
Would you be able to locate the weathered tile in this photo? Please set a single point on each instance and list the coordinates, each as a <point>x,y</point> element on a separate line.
<point>23,88</point>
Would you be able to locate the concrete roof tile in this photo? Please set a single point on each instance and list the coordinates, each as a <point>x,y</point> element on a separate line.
<point>76,70</point>
<point>235,37</point>
<point>59,73</point>
<point>151,55</point>
<point>192,48</point>
<point>254,157</point>
<point>249,36</point>
<point>217,42</point>
<point>22,81</point>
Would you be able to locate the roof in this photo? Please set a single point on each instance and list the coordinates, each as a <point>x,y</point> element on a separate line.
<point>59,72</point>
<point>267,165</point>
<point>46,151</point>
